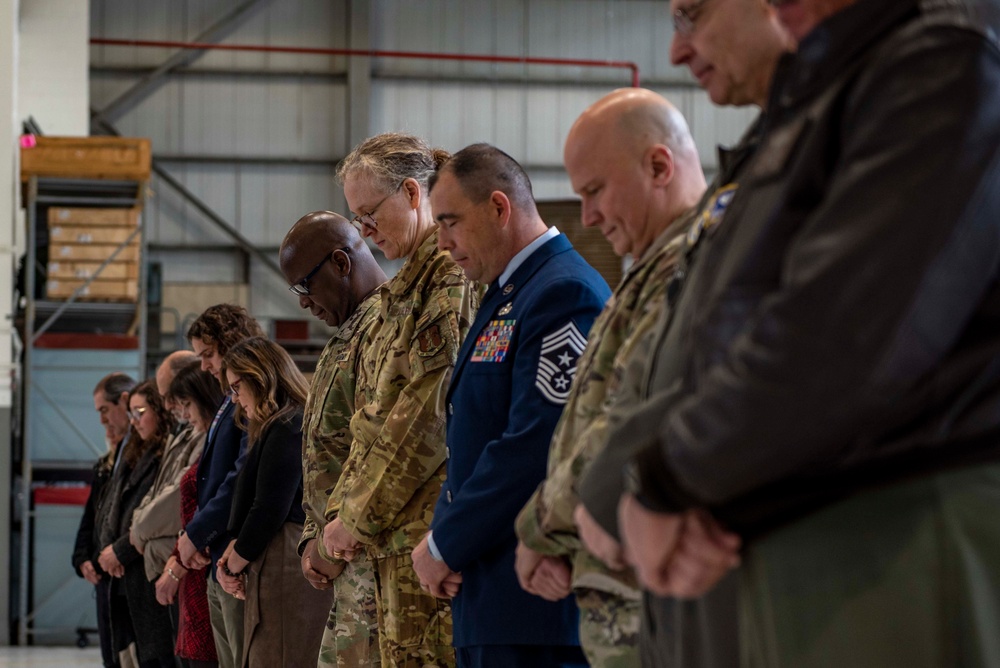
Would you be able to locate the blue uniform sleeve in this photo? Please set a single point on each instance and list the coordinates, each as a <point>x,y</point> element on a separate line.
<point>479,517</point>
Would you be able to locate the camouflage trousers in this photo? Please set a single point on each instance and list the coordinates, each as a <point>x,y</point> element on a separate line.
<point>350,639</point>
<point>609,629</point>
<point>414,627</point>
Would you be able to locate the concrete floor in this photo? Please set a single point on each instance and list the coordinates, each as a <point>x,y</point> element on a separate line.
<point>50,657</point>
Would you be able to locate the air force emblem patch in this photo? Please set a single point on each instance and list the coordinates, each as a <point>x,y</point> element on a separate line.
<point>557,362</point>
<point>713,214</point>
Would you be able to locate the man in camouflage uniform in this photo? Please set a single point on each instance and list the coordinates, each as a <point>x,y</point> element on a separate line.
<point>631,158</point>
<point>385,497</point>
<point>333,273</point>
<point>732,50</point>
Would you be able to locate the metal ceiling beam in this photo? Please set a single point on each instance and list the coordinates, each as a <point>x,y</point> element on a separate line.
<point>379,53</point>
<point>278,160</point>
<point>229,230</point>
<point>682,80</point>
<point>149,83</point>
<point>221,159</point>
<point>226,72</point>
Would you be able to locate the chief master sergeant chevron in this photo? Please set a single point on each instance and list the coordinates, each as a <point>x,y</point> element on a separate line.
<point>508,390</point>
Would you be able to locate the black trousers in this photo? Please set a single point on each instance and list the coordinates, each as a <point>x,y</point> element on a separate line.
<point>102,591</point>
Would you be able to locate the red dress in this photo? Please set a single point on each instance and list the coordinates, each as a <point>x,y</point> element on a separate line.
<point>194,634</point>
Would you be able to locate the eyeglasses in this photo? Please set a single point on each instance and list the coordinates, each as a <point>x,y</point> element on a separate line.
<point>302,287</point>
<point>234,388</point>
<point>367,220</point>
<point>137,413</point>
<point>685,18</point>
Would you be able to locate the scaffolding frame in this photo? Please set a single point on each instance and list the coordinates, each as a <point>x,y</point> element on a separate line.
<point>50,191</point>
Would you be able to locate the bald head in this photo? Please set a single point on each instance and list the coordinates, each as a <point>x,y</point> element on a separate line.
<point>631,158</point>
<point>166,372</point>
<point>324,255</point>
<point>635,119</point>
<point>317,231</point>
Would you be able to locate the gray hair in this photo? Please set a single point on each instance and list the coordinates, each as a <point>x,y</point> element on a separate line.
<point>113,385</point>
<point>392,157</point>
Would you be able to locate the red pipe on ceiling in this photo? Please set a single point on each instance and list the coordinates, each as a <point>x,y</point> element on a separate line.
<point>375,53</point>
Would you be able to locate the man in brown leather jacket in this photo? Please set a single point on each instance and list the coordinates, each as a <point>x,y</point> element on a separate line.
<point>827,386</point>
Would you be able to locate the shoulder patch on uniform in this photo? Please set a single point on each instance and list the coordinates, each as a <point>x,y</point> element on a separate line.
<point>430,342</point>
<point>557,362</point>
<point>719,203</point>
<point>713,213</point>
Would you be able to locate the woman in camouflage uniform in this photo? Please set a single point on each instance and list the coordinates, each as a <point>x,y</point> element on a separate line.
<point>385,498</point>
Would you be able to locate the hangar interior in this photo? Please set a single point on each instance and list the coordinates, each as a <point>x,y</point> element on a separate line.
<point>248,106</point>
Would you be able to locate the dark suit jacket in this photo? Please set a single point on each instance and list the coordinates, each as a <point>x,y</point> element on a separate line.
<point>150,620</point>
<point>221,460</point>
<point>86,547</point>
<point>506,395</point>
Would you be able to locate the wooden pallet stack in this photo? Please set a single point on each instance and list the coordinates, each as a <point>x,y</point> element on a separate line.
<point>81,240</point>
<point>87,243</point>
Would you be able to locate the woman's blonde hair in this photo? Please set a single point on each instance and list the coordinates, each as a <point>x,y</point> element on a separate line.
<point>266,369</point>
<point>390,158</point>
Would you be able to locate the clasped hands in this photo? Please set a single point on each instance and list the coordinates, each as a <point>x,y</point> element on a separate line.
<point>191,557</point>
<point>338,541</point>
<point>436,578</point>
<point>230,572</point>
<point>108,560</point>
<point>683,555</point>
<point>542,575</point>
<point>319,572</point>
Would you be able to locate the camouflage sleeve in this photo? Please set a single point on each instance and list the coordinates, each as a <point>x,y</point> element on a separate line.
<point>410,447</point>
<point>546,523</point>
<point>344,482</point>
<point>310,530</point>
<point>347,475</point>
<point>362,340</point>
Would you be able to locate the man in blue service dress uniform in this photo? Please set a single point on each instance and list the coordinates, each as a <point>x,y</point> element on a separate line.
<point>510,384</point>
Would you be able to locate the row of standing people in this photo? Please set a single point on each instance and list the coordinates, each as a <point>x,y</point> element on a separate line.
<point>199,460</point>
<point>451,350</point>
<point>703,424</point>
<point>430,420</point>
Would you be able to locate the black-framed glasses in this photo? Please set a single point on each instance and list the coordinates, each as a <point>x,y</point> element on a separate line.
<point>367,220</point>
<point>302,287</point>
<point>137,413</point>
<point>234,388</point>
<point>685,18</point>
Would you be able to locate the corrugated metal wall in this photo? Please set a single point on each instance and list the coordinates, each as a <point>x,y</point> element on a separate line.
<point>256,135</point>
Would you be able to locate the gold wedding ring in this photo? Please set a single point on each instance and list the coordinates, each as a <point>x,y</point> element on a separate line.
<point>338,555</point>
